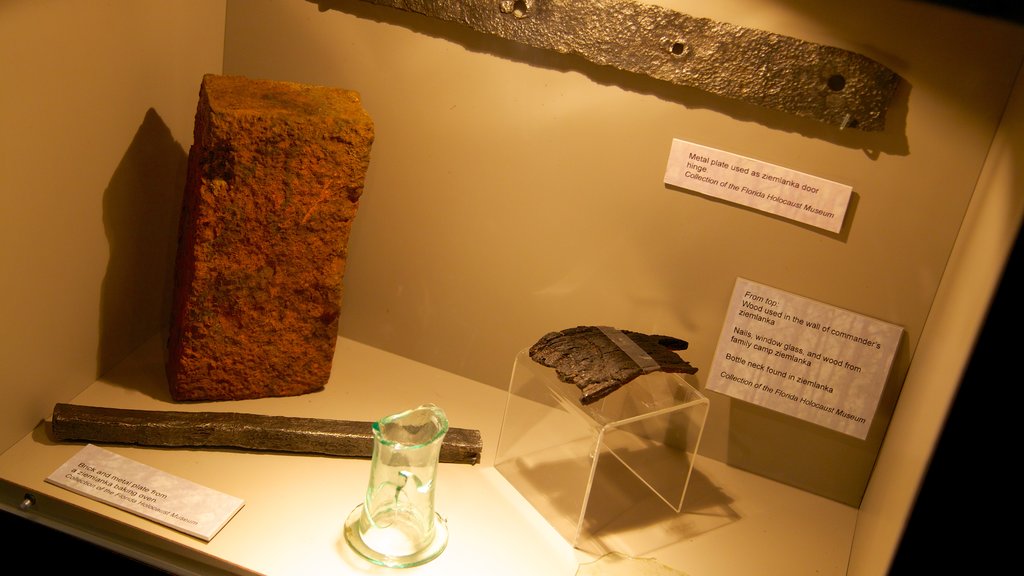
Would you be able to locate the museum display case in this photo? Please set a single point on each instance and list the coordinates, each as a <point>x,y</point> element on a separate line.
<point>518,185</point>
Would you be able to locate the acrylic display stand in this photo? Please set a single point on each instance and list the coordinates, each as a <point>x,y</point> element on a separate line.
<point>608,476</point>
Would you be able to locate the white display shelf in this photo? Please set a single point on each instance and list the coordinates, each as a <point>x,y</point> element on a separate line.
<point>731,522</point>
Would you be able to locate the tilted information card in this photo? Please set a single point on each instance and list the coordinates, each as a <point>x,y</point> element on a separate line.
<point>766,187</point>
<point>803,358</point>
<point>145,491</point>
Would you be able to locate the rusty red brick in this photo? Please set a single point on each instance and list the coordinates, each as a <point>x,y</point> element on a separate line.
<point>275,174</point>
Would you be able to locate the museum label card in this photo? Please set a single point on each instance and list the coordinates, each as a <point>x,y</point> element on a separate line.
<point>765,187</point>
<point>145,491</point>
<point>803,358</point>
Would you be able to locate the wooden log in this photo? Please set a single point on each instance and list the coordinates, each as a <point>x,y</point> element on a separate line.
<point>345,438</point>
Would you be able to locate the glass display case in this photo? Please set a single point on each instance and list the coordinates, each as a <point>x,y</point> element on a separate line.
<point>586,468</point>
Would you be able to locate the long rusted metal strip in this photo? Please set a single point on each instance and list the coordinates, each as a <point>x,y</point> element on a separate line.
<point>829,84</point>
<point>345,438</point>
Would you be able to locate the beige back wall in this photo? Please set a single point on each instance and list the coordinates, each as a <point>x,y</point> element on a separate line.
<point>515,191</point>
<point>97,101</point>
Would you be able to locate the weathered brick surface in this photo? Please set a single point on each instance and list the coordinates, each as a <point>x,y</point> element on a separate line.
<point>275,173</point>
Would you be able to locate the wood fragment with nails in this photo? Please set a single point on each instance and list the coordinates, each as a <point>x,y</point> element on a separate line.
<point>586,357</point>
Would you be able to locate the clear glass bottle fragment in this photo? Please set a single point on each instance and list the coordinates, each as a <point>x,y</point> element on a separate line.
<point>396,525</point>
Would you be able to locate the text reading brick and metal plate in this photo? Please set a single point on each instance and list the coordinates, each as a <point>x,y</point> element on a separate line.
<point>145,491</point>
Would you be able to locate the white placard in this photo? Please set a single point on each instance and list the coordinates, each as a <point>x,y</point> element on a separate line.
<point>766,187</point>
<point>803,358</point>
<point>145,491</point>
